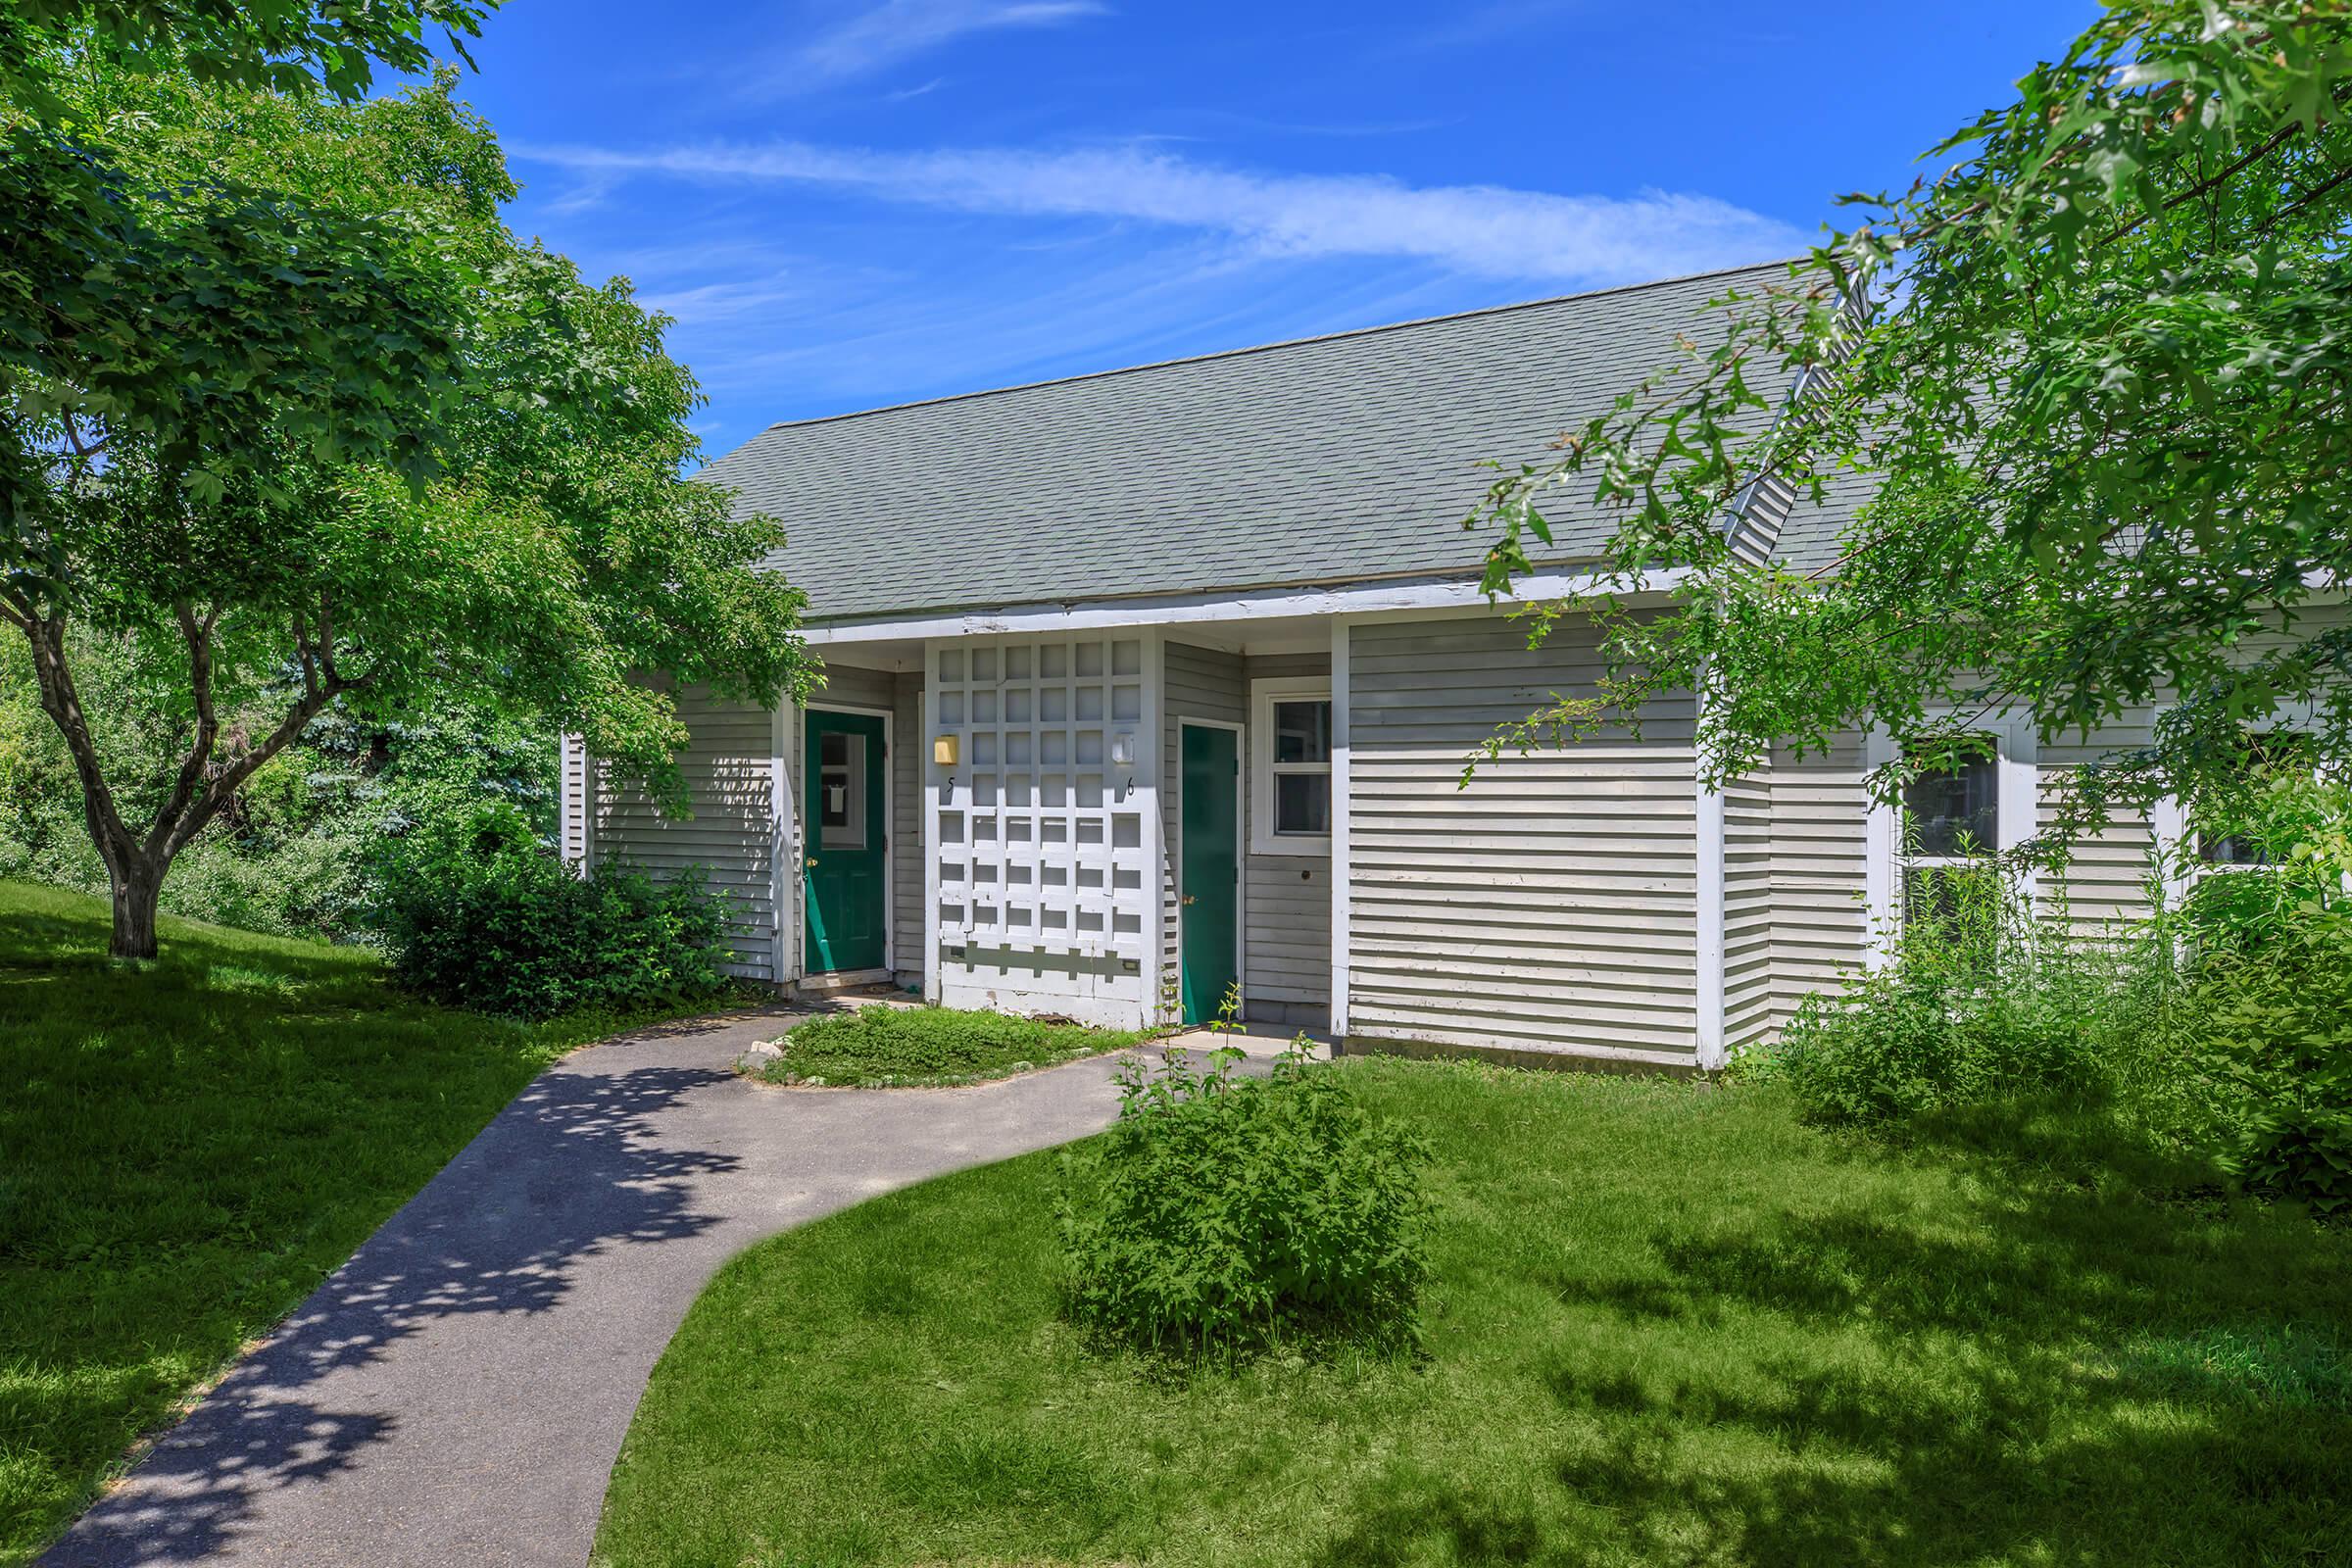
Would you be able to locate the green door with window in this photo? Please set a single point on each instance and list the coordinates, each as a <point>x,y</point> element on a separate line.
<point>1210,907</point>
<point>843,854</point>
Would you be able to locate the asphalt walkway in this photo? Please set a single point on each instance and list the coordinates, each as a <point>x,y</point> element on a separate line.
<point>457,1392</point>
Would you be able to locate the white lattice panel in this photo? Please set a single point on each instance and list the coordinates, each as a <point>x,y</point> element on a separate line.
<point>1043,830</point>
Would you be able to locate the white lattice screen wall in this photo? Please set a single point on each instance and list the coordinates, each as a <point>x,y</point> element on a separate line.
<point>1043,833</point>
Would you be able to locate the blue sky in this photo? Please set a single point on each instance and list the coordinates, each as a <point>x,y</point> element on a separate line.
<point>848,203</point>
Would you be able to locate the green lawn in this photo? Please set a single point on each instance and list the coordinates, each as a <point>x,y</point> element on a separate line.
<point>881,1047</point>
<point>187,1149</point>
<point>1670,1326</point>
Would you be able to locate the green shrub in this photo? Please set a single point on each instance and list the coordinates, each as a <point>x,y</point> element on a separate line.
<point>488,920</point>
<point>878,1045</point>
<point>1981,1003</point>
<point>2276,1025</point>
<point>1218,1215</point>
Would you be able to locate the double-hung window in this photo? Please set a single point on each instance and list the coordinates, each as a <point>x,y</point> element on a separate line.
<point>1289,746</point>
<point>1934,852</point>
<point>1951,830</point>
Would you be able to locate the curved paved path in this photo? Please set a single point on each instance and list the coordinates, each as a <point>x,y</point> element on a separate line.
<point>457,1392</point>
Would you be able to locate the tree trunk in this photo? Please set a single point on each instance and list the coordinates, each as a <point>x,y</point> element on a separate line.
<point>135,890</point>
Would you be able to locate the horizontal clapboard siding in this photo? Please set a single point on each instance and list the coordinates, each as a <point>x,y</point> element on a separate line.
<point>1286,910</point>
<point>1820,814</point>
<point>1549,906</point>
<point>1747,908</point>
<point>728,770</point>
<point>908,748</point>
<point>2106,877</point>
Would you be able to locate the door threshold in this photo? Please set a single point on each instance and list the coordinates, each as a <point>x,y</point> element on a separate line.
<point>844,979</point>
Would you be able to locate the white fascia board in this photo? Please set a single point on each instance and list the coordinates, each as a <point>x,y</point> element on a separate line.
<point>1360,598</point>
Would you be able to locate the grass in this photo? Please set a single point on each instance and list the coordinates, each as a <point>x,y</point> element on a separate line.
<point>190,1145</point>
<point>882,1047</point>
<point>1670,1326</point>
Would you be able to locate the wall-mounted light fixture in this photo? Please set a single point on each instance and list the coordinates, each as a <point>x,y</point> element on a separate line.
<point>943,750</point>
<point>1122,750</point>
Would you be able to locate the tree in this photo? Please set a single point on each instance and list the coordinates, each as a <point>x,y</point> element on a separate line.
<point>2098,371</point>
<point>305,427</point>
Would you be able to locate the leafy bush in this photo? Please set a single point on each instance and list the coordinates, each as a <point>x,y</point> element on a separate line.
<point>1217,1216</point>
<point>2221,1030</point>
<point>488,920</point>
<point>1981,1003</point>
<point>2276,1026</point>
<point>881,1046</point>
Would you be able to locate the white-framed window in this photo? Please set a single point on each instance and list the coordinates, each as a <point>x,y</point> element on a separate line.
<point>1290,765</point>
<point>1950,824</point>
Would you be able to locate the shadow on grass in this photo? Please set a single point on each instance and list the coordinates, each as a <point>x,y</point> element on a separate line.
<point>570,1177</point>
<point>2059,1368</point>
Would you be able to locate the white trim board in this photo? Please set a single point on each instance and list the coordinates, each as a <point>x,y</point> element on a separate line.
<point>1341,887</point>
<point>1707,804</point>
<point>1419,595</point>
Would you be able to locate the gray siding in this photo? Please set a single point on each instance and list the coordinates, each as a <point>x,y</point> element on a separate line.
<point>1820,812</point>
<point>1748,907</point>
<point>1549,906</point>
<point>907,746</point>
<point>1200,683</point>
<point>1286,908</point>
<point>728,768</point>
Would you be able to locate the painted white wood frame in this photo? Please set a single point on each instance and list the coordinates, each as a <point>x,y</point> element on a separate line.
<point>2016,752</point>
<point>890,850</point>
<point>1241,852</point>
<point>1264,692</point>
<point>928,708</point>
<point>1147,741</point>
<point>1708,961</point>
<point>1342,889</point>
<point>1408,597</point>
<point>1046,853</point>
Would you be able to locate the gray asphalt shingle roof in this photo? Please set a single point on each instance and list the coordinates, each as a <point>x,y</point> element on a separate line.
<point>1328,459</point>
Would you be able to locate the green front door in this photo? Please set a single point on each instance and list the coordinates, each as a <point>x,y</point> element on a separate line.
<point>846,838</point>
<point>1210,913</point>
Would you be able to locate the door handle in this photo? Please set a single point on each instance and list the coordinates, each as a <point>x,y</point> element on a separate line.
<point>808,859</point>
<point>1186,898</point>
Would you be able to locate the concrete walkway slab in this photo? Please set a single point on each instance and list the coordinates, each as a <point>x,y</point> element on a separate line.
<point>457,1392</point>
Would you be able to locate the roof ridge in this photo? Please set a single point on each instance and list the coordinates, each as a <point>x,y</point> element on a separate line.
<point>1266,348</point>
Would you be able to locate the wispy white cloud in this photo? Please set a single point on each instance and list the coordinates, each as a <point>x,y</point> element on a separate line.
<point>1481,230</point>
<point>884,34</point>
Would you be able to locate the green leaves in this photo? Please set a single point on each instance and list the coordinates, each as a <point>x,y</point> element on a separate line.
<point>273,368</point>
<point>2100,409</point>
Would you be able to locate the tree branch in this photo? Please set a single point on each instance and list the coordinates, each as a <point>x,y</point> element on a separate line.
<point>63,704</point>
<point>198,631</point>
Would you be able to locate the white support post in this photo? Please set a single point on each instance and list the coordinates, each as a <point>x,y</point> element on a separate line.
<point>1707,804</point>
<point>1879,831</point>
<point>1148,768</point>
<point>930,832</point>
<point>1340,773</point>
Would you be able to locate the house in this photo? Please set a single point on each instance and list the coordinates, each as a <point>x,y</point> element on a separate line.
<point>1144,685</point>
